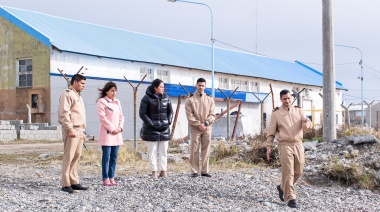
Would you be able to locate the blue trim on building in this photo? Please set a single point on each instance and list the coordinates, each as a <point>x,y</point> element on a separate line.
<point>174,90</point>
<point>25,27</point>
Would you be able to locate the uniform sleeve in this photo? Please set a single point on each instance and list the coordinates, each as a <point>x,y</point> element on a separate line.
<point>306,123</point>
<point>121,117</point>
<point>64,113</point>
<point>190,114</point>
<point>144,111</point>
<point>272,130</point>
<point>101,107</point>
<point>211,116</point>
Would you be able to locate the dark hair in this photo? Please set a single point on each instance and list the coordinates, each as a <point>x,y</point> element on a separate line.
<point>155,84</point>
<point>201,80</point>
<point>284,92</point>
<point>77,78</point>
<point>106,88</point>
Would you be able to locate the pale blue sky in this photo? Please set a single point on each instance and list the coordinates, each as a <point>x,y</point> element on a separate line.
<point>286,29</point>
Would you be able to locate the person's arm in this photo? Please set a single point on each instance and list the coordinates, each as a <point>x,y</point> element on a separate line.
<point>190,114</point>
<point>102,107</point>
<point>64,112</point>
<point>170,112</point>
<point>211,116</point>
<point>144,111</point>
<point>121,118</point>
<point>271,134</point>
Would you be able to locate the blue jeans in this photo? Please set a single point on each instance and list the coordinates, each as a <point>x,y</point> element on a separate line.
<point>109,158</point>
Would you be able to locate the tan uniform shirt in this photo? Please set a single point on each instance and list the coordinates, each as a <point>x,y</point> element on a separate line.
<point>287,125</point>
<point>200,109</point>
<point>71,110</point>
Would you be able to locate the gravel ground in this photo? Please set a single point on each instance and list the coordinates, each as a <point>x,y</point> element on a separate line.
<point>38,189</point>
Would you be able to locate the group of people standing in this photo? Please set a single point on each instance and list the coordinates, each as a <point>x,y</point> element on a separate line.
<point>156,113</point>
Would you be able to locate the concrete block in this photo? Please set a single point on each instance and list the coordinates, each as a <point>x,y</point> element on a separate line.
<point>4,127</point>
<point>3,122</point>
<point>14,122</point>
<point>12,127</point>
<point>51,128</point>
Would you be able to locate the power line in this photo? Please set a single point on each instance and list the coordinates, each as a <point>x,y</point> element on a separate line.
<point>371,68</point>
<point>337,64</point>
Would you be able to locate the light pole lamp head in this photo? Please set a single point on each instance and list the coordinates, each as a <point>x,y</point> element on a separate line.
<point>172,0</point>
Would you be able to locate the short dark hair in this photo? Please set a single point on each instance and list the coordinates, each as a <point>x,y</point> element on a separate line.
<point>284,92</point>
<point>77,78</point>
<point>201,80</point>
<point>106,88</point>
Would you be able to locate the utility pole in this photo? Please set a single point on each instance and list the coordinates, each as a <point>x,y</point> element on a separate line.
<point>329,128</point>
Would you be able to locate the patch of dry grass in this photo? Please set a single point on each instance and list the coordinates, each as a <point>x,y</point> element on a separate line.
<point>222,151</point>
<point>356,130</point>
<point>351,174</point>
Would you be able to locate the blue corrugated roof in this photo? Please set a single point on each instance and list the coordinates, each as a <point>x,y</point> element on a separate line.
<point>84,38</point>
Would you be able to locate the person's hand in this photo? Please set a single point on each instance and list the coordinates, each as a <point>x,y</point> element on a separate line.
<point>202,127</point>
<point>268,153</point>
<point>84,137</point>
<point>115,132</point>
<point>72,134</point>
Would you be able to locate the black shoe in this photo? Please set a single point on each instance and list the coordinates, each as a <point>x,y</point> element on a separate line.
<point>78,187</point>
<point>206,175</point>
<point>68,189</point>
<point>194,175</point>
<point>280,193</point>
<point>292,203</point>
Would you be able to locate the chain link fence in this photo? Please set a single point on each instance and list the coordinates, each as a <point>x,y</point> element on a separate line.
<point>249,122</point>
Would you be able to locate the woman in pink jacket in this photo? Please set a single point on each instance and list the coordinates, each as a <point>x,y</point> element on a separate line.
<point>111,125</point>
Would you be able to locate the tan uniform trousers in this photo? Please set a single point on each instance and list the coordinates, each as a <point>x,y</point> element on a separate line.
<point>203,139</point>
<point>72,150</point>
<point>292,161</point>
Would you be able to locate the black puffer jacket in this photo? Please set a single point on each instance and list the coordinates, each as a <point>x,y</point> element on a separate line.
<point>157,114</point>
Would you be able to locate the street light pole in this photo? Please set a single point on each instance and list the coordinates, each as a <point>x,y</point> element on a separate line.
<point>361,78</point>
<point>212,41</point>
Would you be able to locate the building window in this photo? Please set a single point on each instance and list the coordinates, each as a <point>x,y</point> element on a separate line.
<point>25,73</point>
<point>149,72</point>
<point>223,83</point>
<point>163,75</point>
<point>235,83</point>
<point>254,87</point>
<point>244,86</point>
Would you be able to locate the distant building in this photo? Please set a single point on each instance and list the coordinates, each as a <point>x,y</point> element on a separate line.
<point>355,111</point>
<point>33,46</point>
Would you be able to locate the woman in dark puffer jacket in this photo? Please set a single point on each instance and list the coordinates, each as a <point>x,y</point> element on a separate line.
<point>157,113</point>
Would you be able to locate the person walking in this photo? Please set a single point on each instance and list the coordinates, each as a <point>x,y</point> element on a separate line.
<point>286,125</point>
<point>111,128</point>
<point>157,114</point>
<point>72,116</point>
<point>200,115</point>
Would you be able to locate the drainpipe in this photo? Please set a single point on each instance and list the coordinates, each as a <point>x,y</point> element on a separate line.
<point>29,114</point>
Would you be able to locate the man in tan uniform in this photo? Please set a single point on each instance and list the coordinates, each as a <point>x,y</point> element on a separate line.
<point>71,114</point>
<point>287,124</point>
<point>200,115</point>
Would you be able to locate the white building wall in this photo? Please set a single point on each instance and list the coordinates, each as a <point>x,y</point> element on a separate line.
<point>100,70</point>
